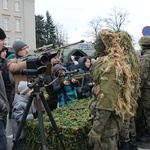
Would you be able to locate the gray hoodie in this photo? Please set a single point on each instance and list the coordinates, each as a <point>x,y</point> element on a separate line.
<point>19,105</point>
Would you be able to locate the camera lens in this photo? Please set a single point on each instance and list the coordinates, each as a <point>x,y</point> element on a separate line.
<point>43,59</point>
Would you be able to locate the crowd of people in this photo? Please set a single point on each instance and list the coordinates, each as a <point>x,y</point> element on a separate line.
<point>116,86</point>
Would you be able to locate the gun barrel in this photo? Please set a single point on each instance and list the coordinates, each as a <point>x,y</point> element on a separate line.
<point>62,47</point>
<point>43,48</point>
<point>78,76</point>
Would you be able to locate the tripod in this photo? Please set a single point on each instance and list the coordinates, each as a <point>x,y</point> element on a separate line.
<point>39,96</point>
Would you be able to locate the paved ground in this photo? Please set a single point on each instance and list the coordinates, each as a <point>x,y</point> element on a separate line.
<point>142,146</point>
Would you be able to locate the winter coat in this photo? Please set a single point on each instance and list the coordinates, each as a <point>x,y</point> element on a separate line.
<point>19,106</point>
<point>15,68</point>
<point>86,84</point>
<point>4,105</point>
<point>52,101</point>
<point>16,65</point>
<point>66,93</point>
<point>6,78</point>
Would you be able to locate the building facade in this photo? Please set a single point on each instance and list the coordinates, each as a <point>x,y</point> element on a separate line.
<point>17,19</point>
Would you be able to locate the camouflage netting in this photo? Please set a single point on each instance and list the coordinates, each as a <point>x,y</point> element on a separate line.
<point>116,53</point>
<point>132,60</point>
<point>73,124</point>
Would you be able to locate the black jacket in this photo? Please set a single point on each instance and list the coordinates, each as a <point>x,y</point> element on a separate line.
<point>6,78</point>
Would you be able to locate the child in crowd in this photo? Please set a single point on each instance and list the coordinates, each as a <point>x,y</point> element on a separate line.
<point>64,87</point>
<point>19,106</point>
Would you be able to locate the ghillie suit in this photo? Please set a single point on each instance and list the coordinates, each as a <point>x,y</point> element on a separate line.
<point>127,138</point>
<point>111,102</point>
<point>144,102</point>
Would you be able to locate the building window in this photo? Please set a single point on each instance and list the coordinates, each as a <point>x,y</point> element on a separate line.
<point>6,23</point>
<point>5,4</point>
<point>17,6</point>
<point>7,41</point>
<point>17,25</point>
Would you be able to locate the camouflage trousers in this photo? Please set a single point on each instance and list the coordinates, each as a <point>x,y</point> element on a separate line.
<point>105,130</point>
<point>145,102</point>
<point>128,129</point>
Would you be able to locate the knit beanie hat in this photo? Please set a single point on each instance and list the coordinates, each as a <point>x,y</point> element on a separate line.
<point>2,34</point>
<point>23,88</point>
<point>56,68</point>
<point>18,45</point>
<point>4,49</point>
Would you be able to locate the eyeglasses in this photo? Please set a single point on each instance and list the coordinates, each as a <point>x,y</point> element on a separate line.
<point>24,48</point>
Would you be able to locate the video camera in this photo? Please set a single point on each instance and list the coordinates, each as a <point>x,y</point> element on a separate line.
<point>38,64</point>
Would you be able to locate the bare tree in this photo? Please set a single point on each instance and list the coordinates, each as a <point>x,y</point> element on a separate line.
<point>118,19</point>
<point>61,35</point>
<point>95,26</point>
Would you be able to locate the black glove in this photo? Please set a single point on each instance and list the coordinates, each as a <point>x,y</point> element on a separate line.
<point>86,89</point>
<point>35,114</point>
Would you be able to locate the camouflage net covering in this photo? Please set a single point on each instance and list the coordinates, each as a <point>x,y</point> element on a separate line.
<point>132,60</point>
<point>116,55</point>
<point>73,124</point>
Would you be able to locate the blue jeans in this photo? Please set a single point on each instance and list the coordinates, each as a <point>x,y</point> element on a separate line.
<point>3,140</point>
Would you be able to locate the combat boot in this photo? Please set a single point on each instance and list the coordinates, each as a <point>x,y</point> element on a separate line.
<point>145,137</point>
<point>133,143</point>
<point>123,146</point>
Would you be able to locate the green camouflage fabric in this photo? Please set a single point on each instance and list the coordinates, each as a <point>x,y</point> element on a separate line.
<point>124,133</point>
<point>145,85</point>
<point>110,105</point>
<point>112,73</point>
<point>132,127</point>
<point>99,46</point>
<point>104,133</point>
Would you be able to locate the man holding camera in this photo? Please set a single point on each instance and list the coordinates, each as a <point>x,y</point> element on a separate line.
<point>16,65</point>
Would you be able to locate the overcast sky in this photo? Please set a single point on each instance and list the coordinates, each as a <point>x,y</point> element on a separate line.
<point>75,15</point>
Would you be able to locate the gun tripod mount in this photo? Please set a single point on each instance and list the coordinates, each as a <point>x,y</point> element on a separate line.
<point>39,96</point>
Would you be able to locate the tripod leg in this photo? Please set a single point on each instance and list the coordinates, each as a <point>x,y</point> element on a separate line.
<point>52,120</point>
<point>22,121</point>
<point>41,124</point>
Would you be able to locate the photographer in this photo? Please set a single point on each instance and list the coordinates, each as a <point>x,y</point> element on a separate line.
<point>18,63</point>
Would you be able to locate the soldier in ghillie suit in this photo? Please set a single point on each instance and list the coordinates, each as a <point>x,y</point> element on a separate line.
<point>127,136</point>
<point>145,86</point>
<point>110,104</point>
